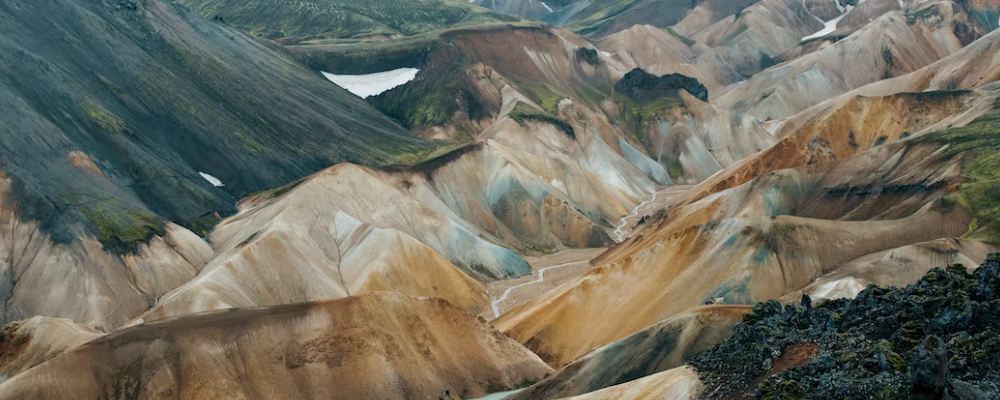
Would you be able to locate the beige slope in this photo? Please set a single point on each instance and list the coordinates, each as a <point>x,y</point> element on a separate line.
<point>374,346</point>
<point>677,384</point>
<point>722,53</point>
<point>976,65</point>
<point>760,240</point>
<point>25,344</point>
<point>865,13</point>
<point>421,230</point>
<point>704,139</point>
<point>889,46</point>
<point>644,45</point>
<point>896,267</point>
<point>300,260</point>
<point>657,348</point>
<point>104,290</point>
<point>847,125</point>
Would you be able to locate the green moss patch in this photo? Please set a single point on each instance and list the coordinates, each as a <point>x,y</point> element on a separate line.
<point>523,112</point>
<point>544,96</point>
<point>106,120</point>
<point>120,228</point>
<point>979,145</point>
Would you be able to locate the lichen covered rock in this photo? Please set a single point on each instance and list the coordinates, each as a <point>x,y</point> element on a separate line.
<point>935,339</point>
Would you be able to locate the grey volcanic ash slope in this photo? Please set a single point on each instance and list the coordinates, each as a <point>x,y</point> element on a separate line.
<point>112,108</point>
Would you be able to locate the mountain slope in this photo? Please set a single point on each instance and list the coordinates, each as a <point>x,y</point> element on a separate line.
<point>378,345</point>
<point>285,20</point>
<point>113,111</point>
<point>604,17</point>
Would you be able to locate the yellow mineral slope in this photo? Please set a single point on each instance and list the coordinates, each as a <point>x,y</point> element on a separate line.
<point>373,346</point>
<point>680,383</point>
<point>764,239</point>
<point>657,348</point>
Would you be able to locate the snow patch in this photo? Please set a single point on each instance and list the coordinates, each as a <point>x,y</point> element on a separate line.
<point>211,179</point>
<point>828,28</point>
<point>369,85</point>
<point>500,395</point>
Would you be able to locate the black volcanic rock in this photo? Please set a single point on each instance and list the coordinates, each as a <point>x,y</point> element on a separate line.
<point>644,87</point>
<point>936,339</point>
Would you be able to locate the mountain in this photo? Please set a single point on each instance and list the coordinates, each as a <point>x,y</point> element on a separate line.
<point>783,223</point>
<point>290,21</point>
<point>380,345</point>
<point>660,347</point>
<point>529,9</point>
<point>614,190</point>
<point>125,119</point>
<point>604,17</point>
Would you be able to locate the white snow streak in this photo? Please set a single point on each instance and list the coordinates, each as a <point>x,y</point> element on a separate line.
<point>828,28</point>
<point>211,179</point>
<point>541,278</point>
<point>368,85</point>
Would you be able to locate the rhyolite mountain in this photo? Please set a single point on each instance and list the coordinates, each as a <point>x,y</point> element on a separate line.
<point>578,207</point>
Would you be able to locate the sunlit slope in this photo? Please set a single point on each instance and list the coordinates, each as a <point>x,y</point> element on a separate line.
<point>374,346</point>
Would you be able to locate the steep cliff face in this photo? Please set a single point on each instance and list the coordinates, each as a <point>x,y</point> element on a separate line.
<point>381,345</point>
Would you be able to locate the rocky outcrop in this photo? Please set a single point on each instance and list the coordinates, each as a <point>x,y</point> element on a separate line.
<point>380,345</point>
<point>644,87</point>
<point>934,338</point>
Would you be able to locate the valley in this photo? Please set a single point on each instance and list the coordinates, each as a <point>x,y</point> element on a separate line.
<point>450,199</point>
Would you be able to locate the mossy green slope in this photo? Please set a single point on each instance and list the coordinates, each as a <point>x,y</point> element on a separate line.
<point>146,95</point>
<point>310,19</point>
<point>605,17</point>
<point>979,145</point>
